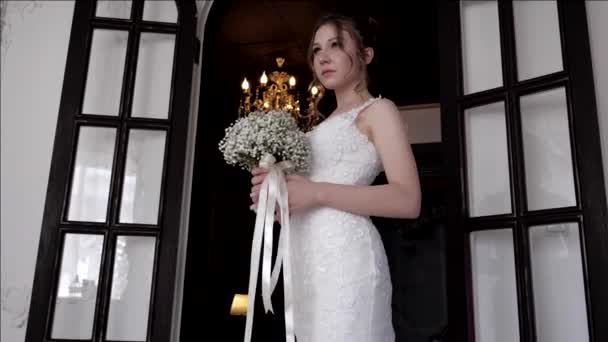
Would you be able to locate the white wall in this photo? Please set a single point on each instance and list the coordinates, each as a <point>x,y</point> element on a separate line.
<point>424,123</point>
<point>597,16</point>
<point>35,39</point>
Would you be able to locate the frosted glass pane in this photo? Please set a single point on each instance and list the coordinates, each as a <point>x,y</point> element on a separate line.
<point>92,174</point>
<point>547,153</point>
<point>160,10</point>
<point>494,286</point>
<point>153,78</point>
<point>106,68</point>
<point>537,41</point>
<point>77,290</point>
<point>489,187</point>
<point>143,176</point>
<point>131,288</point>
<point>113,9</point>
<point>481,63</point>
<point>557,279</point>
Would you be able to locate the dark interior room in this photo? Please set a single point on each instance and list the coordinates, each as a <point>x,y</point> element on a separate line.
<point>242,39</point>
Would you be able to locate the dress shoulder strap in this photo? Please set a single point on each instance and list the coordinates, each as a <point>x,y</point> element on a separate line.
<point>365,105</point>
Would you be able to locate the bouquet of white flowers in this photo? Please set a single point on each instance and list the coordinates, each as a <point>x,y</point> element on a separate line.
<point>262,139</point>
<point>257,134</point>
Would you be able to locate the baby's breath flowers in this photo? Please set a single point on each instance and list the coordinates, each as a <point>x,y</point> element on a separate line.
<point>252,136</point>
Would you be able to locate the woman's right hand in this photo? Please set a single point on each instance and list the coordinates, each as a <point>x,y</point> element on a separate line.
<point>257,178</point>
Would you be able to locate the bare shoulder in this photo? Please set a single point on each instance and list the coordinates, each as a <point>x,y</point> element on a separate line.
<point>381,115</point>
<point>382,119</point>
<point>384,104</point>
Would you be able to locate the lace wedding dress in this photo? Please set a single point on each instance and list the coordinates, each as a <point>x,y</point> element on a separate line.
<point>341,281</point>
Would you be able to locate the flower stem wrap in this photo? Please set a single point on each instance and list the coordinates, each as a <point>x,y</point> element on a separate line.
<point>273,191</point>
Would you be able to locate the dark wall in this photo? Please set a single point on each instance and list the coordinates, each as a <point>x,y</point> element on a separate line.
<point>416,251</point>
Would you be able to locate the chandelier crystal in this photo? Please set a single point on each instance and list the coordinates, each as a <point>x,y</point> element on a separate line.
<point>278,91</point>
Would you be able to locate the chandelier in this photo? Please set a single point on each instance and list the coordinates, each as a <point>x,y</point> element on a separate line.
<point>278,91</point>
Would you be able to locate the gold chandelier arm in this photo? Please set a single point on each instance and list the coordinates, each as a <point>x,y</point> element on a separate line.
<point>277,91</point>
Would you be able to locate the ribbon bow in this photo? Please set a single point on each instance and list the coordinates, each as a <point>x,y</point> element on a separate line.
<point>273,191</point>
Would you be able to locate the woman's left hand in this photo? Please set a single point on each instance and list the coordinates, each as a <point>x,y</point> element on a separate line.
<point>303,193</point>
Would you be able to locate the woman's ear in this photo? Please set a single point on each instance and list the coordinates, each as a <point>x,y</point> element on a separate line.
<point>368,55</point>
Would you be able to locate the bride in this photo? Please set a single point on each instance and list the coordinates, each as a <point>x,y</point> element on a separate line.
<point>341,282</point>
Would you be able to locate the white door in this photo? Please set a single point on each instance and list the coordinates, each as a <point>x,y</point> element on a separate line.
<point>108,246</point>
<point>528,210</point>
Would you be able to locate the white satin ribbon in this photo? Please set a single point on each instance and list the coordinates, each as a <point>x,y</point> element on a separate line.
<point>273,191</point>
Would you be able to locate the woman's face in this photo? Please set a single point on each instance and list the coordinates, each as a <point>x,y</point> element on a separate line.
<point>334,66</point>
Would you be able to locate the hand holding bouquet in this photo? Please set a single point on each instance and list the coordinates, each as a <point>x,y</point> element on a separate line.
<point>271,140</point>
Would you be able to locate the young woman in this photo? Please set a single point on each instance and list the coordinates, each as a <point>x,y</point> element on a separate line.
<point>342,286</point>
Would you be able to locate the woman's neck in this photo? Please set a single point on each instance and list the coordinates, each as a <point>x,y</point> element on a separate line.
<point>347,99</point>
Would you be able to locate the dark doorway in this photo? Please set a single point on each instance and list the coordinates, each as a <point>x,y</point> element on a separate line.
<point>243,38</point>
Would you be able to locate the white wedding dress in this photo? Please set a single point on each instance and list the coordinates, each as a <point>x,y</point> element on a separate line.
<point>341,281</point>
